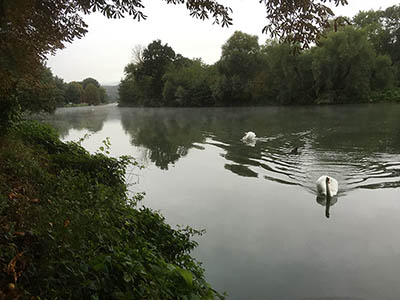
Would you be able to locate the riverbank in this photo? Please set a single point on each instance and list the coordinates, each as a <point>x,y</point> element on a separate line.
<point>86,104</point>
<point>69,231</point>
<point>391,95</point>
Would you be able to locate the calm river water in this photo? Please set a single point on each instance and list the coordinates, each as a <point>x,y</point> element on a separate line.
<point>267,233</point>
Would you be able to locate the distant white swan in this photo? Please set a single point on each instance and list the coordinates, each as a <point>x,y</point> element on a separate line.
<point>249,136</point>
<point>327,186</point>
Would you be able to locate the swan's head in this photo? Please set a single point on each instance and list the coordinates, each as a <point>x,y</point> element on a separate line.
<point>328,180</point>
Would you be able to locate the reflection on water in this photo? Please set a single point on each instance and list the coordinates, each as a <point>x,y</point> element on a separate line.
<point>358,145</point>
<point>79,118</point>
<point>258,201</point>
<point>166,134</point>
<point>327,202</point>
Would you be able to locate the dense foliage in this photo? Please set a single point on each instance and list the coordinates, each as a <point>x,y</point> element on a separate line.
<point>51,91</point>
<point>351,64</point>
<point>68,230</point>
<point>298,21</point>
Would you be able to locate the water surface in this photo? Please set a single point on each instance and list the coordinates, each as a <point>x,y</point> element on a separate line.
<point>268,236</point>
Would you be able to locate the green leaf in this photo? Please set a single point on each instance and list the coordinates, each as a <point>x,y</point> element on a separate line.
<point>171,267</point>
<point>99,267</point>
<point>127,277</point>
<point>194,297</point>
<point>187,276</point>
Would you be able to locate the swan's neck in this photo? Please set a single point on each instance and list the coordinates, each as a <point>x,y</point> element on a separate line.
<point>328,191</point>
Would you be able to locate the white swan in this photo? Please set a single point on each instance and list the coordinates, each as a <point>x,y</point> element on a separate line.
<point>249,136</point>
<point>327,186</point>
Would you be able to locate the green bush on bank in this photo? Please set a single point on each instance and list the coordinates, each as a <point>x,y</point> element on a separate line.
<point>387,95</point>
<point>69,231</point>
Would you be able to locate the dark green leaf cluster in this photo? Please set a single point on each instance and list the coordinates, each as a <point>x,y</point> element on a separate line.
<point>298,22</point>
<point>68,230</point>
<point>45,95</point>
<point>383,30</point>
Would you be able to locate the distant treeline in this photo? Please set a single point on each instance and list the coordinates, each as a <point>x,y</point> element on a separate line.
<point>51,92</point>
<point>357,60</point>
<point>87,91</point>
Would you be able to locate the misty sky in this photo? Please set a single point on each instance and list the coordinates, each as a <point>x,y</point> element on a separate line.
<point>107,47</point>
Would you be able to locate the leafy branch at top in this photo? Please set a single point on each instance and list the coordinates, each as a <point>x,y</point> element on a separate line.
<point>298,21</point>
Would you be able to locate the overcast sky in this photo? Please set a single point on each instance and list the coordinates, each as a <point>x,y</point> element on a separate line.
<point>107,47</point>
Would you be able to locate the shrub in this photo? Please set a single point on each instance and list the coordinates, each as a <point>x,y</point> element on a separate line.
<point>388,95</point>
<point>69,231</point>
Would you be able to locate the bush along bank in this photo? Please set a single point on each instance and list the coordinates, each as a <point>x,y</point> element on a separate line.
<point>69,231</point>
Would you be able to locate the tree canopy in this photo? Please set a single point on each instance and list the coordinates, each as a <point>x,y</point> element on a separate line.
<point>298,21</point>
<point>352,64</point>
<point>74,92</point>
<point>383,30</point>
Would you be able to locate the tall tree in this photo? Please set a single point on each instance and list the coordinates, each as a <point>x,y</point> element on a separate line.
<point>74,93</point>
<point>88,80</point>
<point>342,66</point>
<point>45,95</point>
<point>238,66</point>
<point>129,90</point>
<point>383,73</point>
<point>188,84</point>
<point>289,78</point>
<point>61,89</point>
<point>383,30</point>
<point>156,59</point>
<point>91,94</point>
<point>103,95</point>
<point>143,84</point>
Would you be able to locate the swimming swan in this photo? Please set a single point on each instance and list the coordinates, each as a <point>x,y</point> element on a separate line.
<point>249,139</point>
<point>327,186</point>
<point>249,136</point>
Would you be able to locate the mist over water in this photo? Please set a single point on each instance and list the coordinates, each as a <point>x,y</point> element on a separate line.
<point>267,232</point>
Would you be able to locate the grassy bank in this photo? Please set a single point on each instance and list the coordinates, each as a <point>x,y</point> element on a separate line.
<point>69,231</point>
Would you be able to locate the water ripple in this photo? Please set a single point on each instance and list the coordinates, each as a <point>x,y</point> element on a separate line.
<point>272,160</point>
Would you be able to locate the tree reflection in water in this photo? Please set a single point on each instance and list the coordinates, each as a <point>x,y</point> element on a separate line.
<point>327,202</point>
<point>352,143</point>
<point>88,117</point>
<point>166,134</point>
